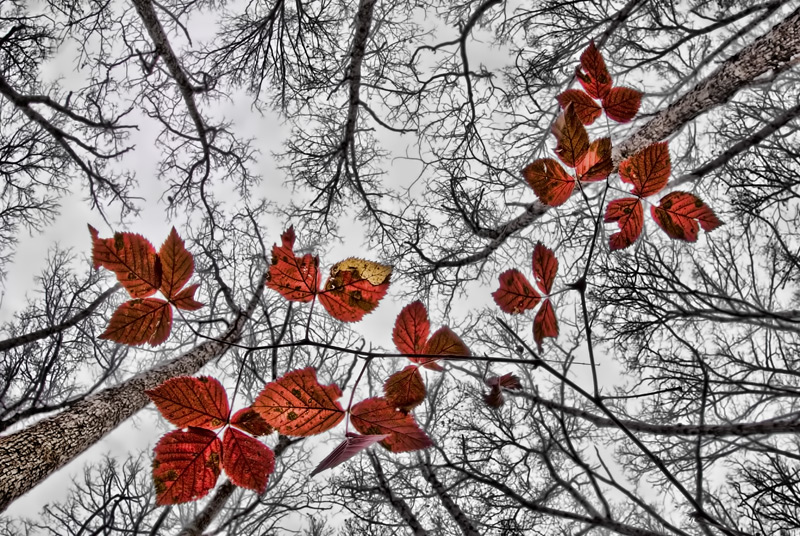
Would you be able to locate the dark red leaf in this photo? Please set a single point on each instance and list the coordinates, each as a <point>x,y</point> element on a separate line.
<point>354,288</point>
<point>375,416</point>
<point>506,381</point>
<point>629,215</point>
<point>515,294</point>
<point>544,325</point>
<point>411,329</point>
<point>247,461</point>
<point>250,421</point>
<point>185,299</point>
<point>177,265</point>
<point>545,266</point>
<point>648,170</point>
<point>596,165</point>
<point>189,401</point>
<point>572,139</point>
<point>352,445</point>
<point>551,183</point>
<point>444,343</point>
<point>593,74</point>
<point>678,214</point>
<point>295,278</point>
<point>622,104</point>
<point>405,389</point>
<point>186,465</point>
<point>140,321</point>
<point>132,258</point>
<point>585,107</point>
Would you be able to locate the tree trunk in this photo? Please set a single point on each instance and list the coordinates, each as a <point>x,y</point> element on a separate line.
<point>29,456</point>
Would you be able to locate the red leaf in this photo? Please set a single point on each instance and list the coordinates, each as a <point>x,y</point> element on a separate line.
<point>648,170</point>
<point>597,164</point>
<point>445,343</point>
<point>573,141</point>
<point>594,75</point>
<point>494,398</point>
<point>247,461</point>
<point>375,416</point>
<point>622,104</point>
<point>354,288</point>
<point>177,265</point>
<point>140,321</point>
<point>405,389</point>
<point>185,299</point>
<point>628,214</point>
<point>188,401</point>
<point>250,421</point>
<point>515,294</point>
<point>545,266</point>
<point>678,213</point>
<point>186,465</point>
<point>132,258</point>
<point>585,107</point>
<point>295,278</point>
<point>551,183</point>
<point>352,445</point>
<point>544,325</point>
<point>297,405</point>
<point>411,329</point>
<point>506,381</point>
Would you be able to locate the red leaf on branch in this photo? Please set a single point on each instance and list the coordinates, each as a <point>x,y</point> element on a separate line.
<point>247,461</point>
<point>629,215</point>
<point>622,104</point>
<point>585,107</point>
<point>443,342</point>
<point>354,288</point>
<point>678,214</point>
<point>140,321</point>
<point>295,278</point>
<point>185,299</point>
<point>515,294</point>
<point>132,258</point>
<point>551,183</point>
<point>648,170</point>
<point>186,465</point>
<point>494,398</point>
<point>545,266</point>
<point>352,445</point>
<point>597,164</point>
<point>189,401</point>
<point>545,324</point>
<point>375,416</point>
<point>177,265</point>
<point>572,139</point>
<point>250,421</point>
<point>297,405</point>
<point>405,389</point>
<point>593,74</point>
<point>411,329</point>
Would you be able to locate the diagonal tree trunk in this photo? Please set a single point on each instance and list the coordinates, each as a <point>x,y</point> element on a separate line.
<point>29,456</point>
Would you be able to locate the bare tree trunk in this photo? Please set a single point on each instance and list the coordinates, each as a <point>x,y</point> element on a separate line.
<point>29,456</point>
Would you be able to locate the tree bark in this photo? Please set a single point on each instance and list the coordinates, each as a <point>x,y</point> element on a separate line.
<point>29,456</point>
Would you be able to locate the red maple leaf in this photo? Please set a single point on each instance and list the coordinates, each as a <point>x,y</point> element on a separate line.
<point>622,104</point>
<point>132,258</point>
<point>405,389</point>
<point>189,401</point>
<point>297,405</point>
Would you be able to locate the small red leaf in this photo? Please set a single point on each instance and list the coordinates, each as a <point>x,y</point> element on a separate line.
<point>405,389</point>
<point>295,278</point>
<point>186,465</point>
<point>678,214</point>
<point>622,104</point>
<point>648,170</point>
<point>544,325</point>
<point>375,416</point>
<point>629,215</point>
<point>494,398</point>
<point>411,329</point>
<point>177,265</point>
<point>585,107</point>
<point>515,294</point>
<point>594,75</point>
<point>247,461</point>
<point>572,139</point>
<point>506,381</point>
<point>352,445</point>
<point>250,421</point>
<point>545,266</point>
<point>551,183</point>
<point>185,299</point>
<point>188,401</point>
<point>132,258</point>
<point>297,405</point>
<point>444,343</point>
<point>140,321</point>
<point>354,288</point>
<point>597,164</point>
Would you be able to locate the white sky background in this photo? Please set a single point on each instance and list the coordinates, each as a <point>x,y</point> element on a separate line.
<point>69,230</point>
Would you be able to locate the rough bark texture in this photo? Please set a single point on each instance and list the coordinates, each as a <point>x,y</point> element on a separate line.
<point>29,456</point>
<point>46,332</point>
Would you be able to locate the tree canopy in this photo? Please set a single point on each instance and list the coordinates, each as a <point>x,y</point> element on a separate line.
<point>574,221</point>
